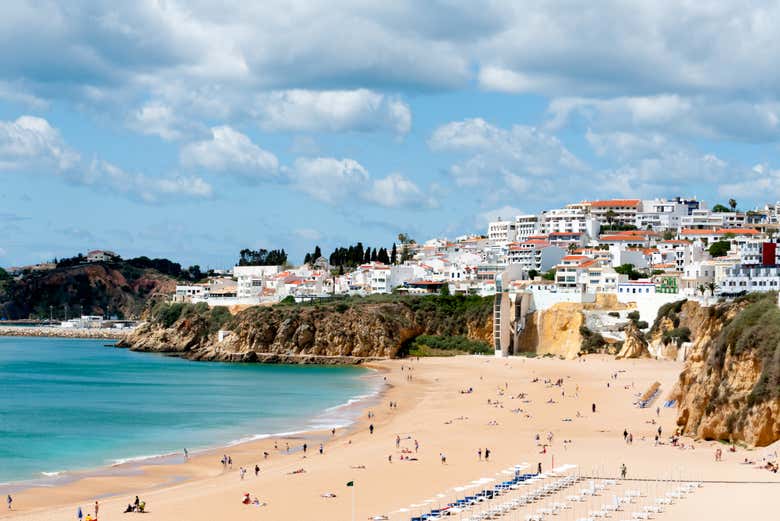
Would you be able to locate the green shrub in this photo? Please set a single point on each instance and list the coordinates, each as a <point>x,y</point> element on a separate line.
<point>614,314</point>
<point>591,342</point>
<point>432,345</point>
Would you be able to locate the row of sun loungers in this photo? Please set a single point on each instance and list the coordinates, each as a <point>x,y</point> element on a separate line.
<point>650,395</point>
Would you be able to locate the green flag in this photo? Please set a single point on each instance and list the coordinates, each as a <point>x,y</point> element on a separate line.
<point>350,483</point>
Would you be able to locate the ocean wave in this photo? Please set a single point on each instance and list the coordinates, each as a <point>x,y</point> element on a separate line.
<point>136,459</point>
<point>53,474</point>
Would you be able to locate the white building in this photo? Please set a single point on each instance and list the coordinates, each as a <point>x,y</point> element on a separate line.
<point>526,226</point>
<point>749,279</point>
<point>101,256</point>
<point>568,220</point>
<point>535,254</point>
<point>251,280</point>
<point>502,231</point>
<point>660,214</point>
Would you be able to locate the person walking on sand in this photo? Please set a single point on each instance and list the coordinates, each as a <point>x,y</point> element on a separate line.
<point>416,445</point>
<point>539,468</point>
<point>397,441</point>
<point>186,454</point>
<point>371,429</point>
<point>257,469</point>
<point>10,501</point>
<point>79,514</point>
<point>97,508</point>
<point>443,458</point>
<point>479,454</point>
<point>593,407</point>
<point>487,454</point>
<point>623,471</point>
<point>305,446</point>
<point>322,449</point>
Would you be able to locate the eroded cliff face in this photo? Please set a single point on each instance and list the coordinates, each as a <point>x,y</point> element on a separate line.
<point>554,331</point>
<point>729,388</point>
<point>311,334</point>
<point>635,345</point>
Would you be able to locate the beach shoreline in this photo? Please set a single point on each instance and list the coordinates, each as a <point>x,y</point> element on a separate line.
<point>435,407</point>
<point>135,465</point>
<point>60,332</point>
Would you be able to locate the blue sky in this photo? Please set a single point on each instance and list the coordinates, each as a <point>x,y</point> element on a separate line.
<point>190,130</point>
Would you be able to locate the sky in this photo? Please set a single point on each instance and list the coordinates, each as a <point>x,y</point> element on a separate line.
<point>193,129</point>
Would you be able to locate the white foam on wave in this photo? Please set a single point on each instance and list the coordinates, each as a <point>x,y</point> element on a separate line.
<point>53,474</point>
<point>136,459</point>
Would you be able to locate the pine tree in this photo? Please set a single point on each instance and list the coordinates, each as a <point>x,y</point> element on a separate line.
<point>393,255</point>
<point>373,255</point>
<point>382,256</point>
<point>367,256</point>
<point>307,259</point>
<point>317,253</point>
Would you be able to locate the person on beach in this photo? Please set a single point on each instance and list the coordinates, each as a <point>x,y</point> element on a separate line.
<point>97,508</point>
<point>371,429</point>
<point>242,472</point>
<point>322,449</point>
<point>593,407</point>
<point>136,503</point>
<point>265,455</point>
<point>487,454</point>
<point>416,445</point>
<point>10,501</point>
<point>186,454</point>
<point>79,514</point>
<point>305,446</point>
<point>443,458</point>
<point>539,468</point>
<point>479,454</point>
<point>230,463</point>
<point>397,441</point>
<point>257,470</point>
<point>623,470</point>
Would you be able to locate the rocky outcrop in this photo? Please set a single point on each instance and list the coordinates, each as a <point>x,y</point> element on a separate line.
<point>333,333</point>
<point>555,331</point>
<point>89,289</point>
<point>634,345</point>
<point>730,386</point>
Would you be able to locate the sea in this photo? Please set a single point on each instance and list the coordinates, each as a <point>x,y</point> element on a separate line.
<point>67,405</point>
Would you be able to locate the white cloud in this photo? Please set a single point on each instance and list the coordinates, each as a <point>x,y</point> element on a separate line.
<point>749,183</point>
<point>159,119</point>
<point>31,141</point>
<point>396,191</point>
<point>103,175</point>
<point>338,110</point>
<point>506,213</point>
<point>515,158</point>
<point>230,151</point>
<point>328,179</point>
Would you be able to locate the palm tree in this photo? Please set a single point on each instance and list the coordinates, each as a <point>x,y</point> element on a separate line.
<point>712,287</point>
<point>701,289</point>
<point>733,204</point>
<point>610,215</point>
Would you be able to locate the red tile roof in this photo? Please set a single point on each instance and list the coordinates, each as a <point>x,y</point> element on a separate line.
<point>614,203</point>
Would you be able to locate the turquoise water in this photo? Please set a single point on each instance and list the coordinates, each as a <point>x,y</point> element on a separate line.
<point>68,404</point>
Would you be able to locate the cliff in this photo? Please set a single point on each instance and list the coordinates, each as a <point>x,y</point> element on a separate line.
<point>634,345</point>
<point>89,289</point>
<point>729,388</point>
<point>555,331</point>
<point>359,330</point>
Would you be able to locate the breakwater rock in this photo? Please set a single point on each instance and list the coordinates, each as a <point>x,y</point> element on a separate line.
<point>106,334</point>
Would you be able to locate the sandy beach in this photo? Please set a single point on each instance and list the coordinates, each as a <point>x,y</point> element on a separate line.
<point>513,400</point>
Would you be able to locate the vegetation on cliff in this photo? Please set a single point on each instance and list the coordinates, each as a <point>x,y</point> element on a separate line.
<point>754,330</point>
<point>110,288</point>
<point>377,326</point>
<point>433,345</point>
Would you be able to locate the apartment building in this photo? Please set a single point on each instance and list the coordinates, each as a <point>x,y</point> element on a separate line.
<point>568,220</point>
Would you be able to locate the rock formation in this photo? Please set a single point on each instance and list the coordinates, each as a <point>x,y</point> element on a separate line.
<point>330,333</point>
<point>730,386</point>
<point>634,345</point>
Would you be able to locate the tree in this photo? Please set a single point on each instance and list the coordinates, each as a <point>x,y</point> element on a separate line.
<point>610,216</point>
<point>445,290</point>
<point>373,255</point>
<point>532,274</point>
<point>628,269</point>
<point>4,275</point>
<point>367,256</point>
<point>701,289</point>
<point>733,204</point>
<point>719,248</point>
<point>550,275</point>
<point>307,259</point>
<point>403,238</point>
<point>341,270</point>
<point>262,257</point>
<point>719,208</point>
<point>382,256</point>
<point>317,253</point>
<point>712,287</point>
<point>668,235</point>
<point>572,247</point>
<point>393,255</point>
